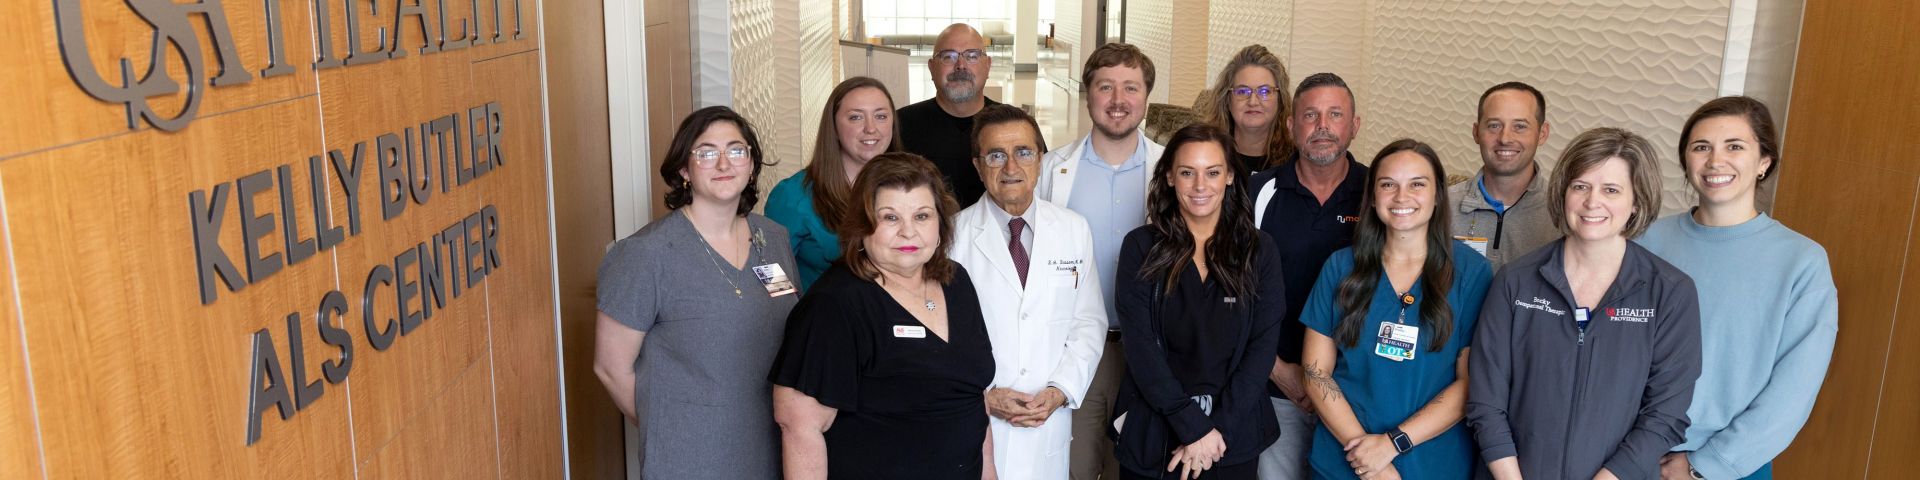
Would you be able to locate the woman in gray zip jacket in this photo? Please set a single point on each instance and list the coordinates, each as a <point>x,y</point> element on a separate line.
<point>1586,352</point>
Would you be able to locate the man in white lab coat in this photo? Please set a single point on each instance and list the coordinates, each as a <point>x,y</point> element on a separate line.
<point>1032,265</point>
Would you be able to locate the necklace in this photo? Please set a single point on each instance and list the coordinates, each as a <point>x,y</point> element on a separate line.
<point>716,267</point>
<point>923,295</point>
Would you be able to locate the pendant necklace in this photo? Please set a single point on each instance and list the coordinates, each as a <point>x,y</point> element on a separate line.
<point>716,268</point>
<point>923,294</point>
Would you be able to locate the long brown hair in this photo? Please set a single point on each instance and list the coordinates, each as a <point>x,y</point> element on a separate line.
<point>1235,239</point>
<point>1356,291</point>
<point>825,173</point>
<point>1220,111</point>
<point>904,171</point>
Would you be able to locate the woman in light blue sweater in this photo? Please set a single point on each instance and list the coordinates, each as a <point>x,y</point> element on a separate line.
<point>1767,300</point>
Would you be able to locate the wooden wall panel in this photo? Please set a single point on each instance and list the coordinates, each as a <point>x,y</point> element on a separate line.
<point>449,438</point>
<point>1899,423</point>
<point>20,449</point>
<point>1841,426</point>
<point>1853,185</point>
<point>521,333</point>
<point>425,361</point>
<point>65,115</point>
<point>133,377</point>
<point>118,363</point>
<point>583,211</point>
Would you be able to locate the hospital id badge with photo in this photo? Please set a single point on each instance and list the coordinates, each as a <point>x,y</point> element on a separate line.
<point>1397,342</point>
<point>775,279</point>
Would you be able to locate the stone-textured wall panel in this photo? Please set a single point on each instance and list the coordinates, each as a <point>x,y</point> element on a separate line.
<point>1639,67</point>
<point>1238,23</point>
<point>1150,27</point>
<point>1189,65</point>
<point>766,35</point>
<point>819,60</point>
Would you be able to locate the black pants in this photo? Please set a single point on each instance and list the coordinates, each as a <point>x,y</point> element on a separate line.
<point>1248,470</point>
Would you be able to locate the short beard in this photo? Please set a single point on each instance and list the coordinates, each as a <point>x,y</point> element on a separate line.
<point>961,95</point>
<point>1120,135</point>
<point>1324,161</point>
<point>964,94</point>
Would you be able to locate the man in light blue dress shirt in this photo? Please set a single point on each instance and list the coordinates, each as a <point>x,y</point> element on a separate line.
<point>1103,177</point>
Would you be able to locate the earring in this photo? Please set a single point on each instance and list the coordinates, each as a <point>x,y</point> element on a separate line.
<point>684,183</point>
<point>1763,176</point>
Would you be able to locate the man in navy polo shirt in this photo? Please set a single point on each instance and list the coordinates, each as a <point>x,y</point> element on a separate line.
<point>1309,205</point>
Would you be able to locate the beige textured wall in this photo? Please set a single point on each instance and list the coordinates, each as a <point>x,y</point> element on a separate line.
<point>784,66</point>
<point>1238,23</point>
<point>1189,64</point>
<point>762,91</point>
<point>1150,27</point>
<point>1640,67</point>
<point>1418,66</point>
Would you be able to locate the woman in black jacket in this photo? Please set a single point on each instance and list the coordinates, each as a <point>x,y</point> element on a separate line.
<point>1198,320</point>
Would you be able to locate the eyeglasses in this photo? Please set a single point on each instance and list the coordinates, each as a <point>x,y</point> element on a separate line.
<point>1244,92</point>
<point>997,159</point>
<point>709,157</point>
<point>951,57</point>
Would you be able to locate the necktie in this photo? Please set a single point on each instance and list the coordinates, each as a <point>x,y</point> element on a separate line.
<point>1019,251</point>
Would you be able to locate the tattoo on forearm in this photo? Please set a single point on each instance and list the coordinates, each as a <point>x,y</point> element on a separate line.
<point>1329,389</point>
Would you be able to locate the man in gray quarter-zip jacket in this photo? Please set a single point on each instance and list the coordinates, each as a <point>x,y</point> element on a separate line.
<point>1567,401</point>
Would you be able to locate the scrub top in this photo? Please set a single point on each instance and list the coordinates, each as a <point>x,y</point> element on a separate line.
<point>1199,341</point>
<point>907,407</point>
<point>1384,392</point>
<point>703,409</point>
<point>815,247</point>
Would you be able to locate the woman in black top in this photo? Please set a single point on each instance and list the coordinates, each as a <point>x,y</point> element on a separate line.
<point>1197,321</point>
<point>885,359</point>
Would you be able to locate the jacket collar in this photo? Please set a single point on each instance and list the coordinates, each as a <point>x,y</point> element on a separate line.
<point>1474,201</point>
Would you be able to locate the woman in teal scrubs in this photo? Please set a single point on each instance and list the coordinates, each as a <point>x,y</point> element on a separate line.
<point>856,125</point>
<point>1390,320</point>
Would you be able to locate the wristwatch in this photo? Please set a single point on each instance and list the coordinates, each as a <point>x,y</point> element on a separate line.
<point>1696,474</point>
<point>1400,441</point>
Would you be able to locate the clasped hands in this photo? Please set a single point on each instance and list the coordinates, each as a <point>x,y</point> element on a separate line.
<point>1371,457</point>
<point>1023,409</point>
<point>1198,456</point>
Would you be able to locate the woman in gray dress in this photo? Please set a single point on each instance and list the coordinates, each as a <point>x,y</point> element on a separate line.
<point>692,308</point>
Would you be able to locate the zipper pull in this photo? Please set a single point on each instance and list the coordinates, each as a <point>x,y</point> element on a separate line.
<point>1583,337</point>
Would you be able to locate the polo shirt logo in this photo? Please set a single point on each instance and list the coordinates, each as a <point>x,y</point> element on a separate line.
<point>1634,315</point>
<point>1347,218</point>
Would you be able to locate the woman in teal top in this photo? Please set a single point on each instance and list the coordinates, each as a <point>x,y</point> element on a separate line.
<point>855,126</point>
<point>1390,321</point>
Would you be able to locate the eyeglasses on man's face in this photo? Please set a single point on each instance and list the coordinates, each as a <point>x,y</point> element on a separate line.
<point>951,57</point>
<point>1265,91</point>
<point>997,159</point>
<point>709,157</point>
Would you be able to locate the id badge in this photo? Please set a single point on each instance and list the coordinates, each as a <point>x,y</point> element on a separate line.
<point>1397,342</point>
<point>775,279</point>
<point>1479,244</point>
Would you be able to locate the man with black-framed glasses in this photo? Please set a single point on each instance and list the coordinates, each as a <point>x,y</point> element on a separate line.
<point>941,128</point>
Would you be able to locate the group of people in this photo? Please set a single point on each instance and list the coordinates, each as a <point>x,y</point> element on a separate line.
<point>940,295</point>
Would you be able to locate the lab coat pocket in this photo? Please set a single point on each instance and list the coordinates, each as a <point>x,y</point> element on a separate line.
<point>1061,288</point>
